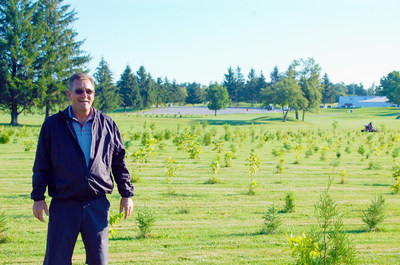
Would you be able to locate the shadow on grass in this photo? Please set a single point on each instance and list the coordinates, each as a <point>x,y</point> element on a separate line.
<point>125,238</point>
<point>377,185</point>
<point>20,125</point>
<point>259,120</point>
<point>258,233</point>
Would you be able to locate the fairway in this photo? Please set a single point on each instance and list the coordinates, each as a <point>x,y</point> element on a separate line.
<point>201,223</point>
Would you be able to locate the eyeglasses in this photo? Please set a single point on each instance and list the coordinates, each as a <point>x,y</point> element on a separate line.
<point>87,91</point>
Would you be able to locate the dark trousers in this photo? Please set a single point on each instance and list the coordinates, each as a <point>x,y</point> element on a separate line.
<point>68,218</point>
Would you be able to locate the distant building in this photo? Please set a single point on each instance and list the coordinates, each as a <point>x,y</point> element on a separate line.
<point>364,102</point>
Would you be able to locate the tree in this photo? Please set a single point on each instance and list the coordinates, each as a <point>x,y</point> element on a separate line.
<point>275,75</point>
<point>147,87</point>
<point>311,85</point>
<point>195,94</point>
<point>238,95</point>
<point>128,89</point>
<point>230,82</point>
<point>390,87</point>
<point>251,89</point>
<point>178,93</point>
<point>19,43</point>
<point>328,91</point>
<point>160,93</point>
<point>107,98</point>
<point>59,55</point>
<point>287,93</point>
<point>356,90</point>
<point>217,97</point>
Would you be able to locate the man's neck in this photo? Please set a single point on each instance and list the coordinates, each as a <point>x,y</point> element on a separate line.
<point>82,117</point>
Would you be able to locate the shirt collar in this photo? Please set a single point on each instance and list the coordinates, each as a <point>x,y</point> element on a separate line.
<point>91,117</point>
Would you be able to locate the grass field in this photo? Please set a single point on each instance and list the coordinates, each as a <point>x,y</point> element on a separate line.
<point>221,223</point>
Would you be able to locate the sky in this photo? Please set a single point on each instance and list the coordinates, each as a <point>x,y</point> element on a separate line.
<point>354,41</point>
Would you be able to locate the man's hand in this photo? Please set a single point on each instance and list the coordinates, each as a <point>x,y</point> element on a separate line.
<point>38,208</point>
<point>127,206</point>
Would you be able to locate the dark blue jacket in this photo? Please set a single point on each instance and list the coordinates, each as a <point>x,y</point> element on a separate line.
<point>60,162</point>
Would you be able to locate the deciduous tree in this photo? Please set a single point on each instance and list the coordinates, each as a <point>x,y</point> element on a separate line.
<point>217,97</point>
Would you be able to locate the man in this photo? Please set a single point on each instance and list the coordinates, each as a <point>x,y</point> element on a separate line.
<point>78,149</point>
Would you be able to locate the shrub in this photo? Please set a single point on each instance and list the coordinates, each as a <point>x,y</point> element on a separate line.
<point>145,218</point>
<point>361,150</point>
<point>376,165</point>
<point>253,164</point>
<point>3,228</point>
<point>114,219</point>
<point>4,137</point>
<point>272,220</point>
<point>289,203</point>
<point>374,214</point>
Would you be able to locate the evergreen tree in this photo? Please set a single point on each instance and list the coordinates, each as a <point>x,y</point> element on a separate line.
<point>178,93</point>
<point>328,91</point>
<point>19,42</point>
<point>159,94</point>
<point>217,97</point>
<point>275,75</point>
<point>60,54</point>
<point>238,95</point>
<point>147,87</point>
<point>107,97</point>
<point>129,89</point>
<point>251,89</point>
<point>195,94</point>
<point>230,83</point>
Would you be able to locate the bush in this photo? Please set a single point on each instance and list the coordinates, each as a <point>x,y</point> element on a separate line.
<point>289,203</point>
<point>272,221</point>
<point>3,228</point>
<point>374,214</point>
<point>145,218</point>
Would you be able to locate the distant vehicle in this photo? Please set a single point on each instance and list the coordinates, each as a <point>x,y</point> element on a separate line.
<point>369,128</point>
<point>270,107</point>
<point>286,108</point>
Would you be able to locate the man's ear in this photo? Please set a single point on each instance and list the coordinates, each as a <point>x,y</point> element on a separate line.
<point>69,94</point>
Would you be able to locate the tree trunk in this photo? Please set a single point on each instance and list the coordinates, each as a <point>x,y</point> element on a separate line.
<point>14,114</point>
<point>215,113</point>
<point>297,114</point>
<point>47,110</point>
<point>285,113</point>
<point>304,114</point>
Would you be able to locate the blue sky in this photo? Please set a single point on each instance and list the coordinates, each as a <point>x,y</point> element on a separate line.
<point>354,41</point>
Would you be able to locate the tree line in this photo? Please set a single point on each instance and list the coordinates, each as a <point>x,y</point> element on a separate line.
<point>39,50</point>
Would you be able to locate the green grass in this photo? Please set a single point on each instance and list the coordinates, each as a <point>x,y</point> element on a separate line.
<point>221,224</point>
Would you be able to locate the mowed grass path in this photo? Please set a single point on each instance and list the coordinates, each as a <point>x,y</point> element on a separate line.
<point>220,223</point>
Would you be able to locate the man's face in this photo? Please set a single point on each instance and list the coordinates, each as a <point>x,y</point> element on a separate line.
<point>81,96</point>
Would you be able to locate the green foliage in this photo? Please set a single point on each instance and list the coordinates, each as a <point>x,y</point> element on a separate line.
<point>361,150</point>
<point>114,219</point>
<point>218,97</point>
<point>374,214</point>
<point>396,176</point>
<point>189,143</point>
<point>305,249</point>
<point>215,166</point>
<point>228,156</point>
<point>376,165</point>
<point>170,172</point>
<point>146,219</point>
<point>4,136</point>
<point>272,220</point>
<point>253,164</point>
<point>325,243</point>
<point>289,203</point>
<point>4,238</point>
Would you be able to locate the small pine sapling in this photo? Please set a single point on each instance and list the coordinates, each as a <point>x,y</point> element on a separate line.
<point>374,214</point>
<point>396,176</point>
<point>170,172</point>
<point>272,220</point>
<point>289,203</point>
<point>146,218</point>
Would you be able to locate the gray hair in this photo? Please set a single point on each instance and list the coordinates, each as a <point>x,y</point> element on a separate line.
<point>79,76</point>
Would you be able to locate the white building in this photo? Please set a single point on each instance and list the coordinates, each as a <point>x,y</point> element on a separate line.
<point>364,101</point>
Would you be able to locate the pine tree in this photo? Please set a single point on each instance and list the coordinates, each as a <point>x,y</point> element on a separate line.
<point>195,94</point>
<point>129,89</point>
<point>230,82</point>
<point>60,54</point>
<point>107,97</point>
<point>147,87</point>
<point>19,41</point>
<point>251,89</point>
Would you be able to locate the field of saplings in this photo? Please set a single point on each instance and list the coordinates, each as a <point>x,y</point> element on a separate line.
<point>232,189</point>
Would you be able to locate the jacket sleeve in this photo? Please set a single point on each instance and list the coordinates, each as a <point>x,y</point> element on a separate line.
<point>41,167</point>
<point>119,168</point>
